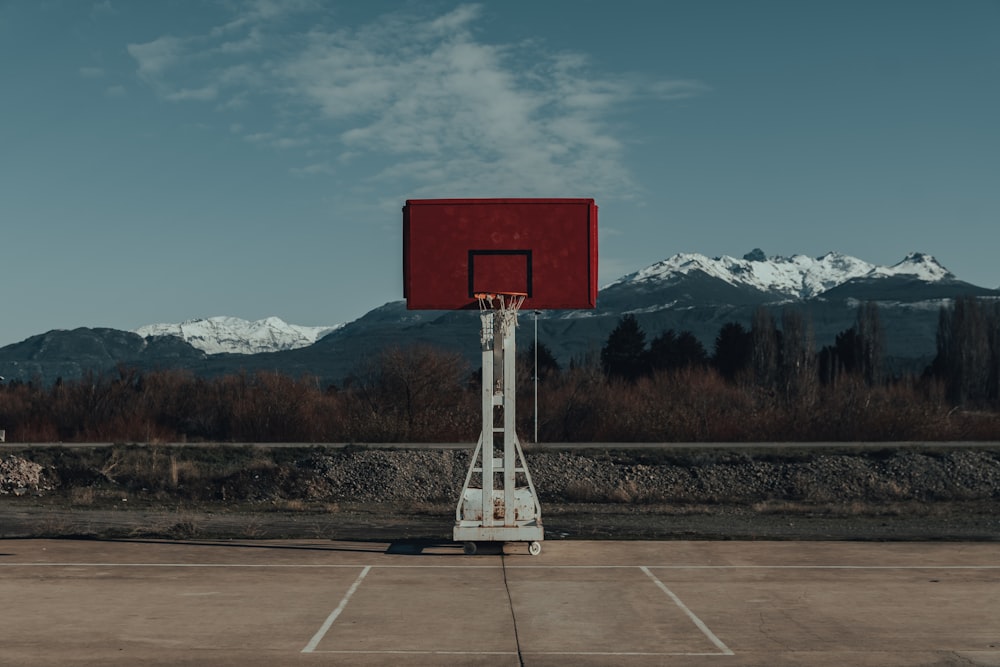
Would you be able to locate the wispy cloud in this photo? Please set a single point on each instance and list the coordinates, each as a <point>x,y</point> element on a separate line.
<point>203,94</point>
<point>99,8</point>
<point>442,112</point>
<point>318,168</point>
<point>157,57</point>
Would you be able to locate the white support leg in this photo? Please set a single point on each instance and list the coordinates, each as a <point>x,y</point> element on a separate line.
<point>489,513</point>
<point>509,425</point>
<point>487,437</point>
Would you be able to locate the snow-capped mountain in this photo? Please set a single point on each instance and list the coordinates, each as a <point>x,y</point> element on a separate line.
<point>918,265</point>
<point>797,277</point>
<point>216,335</point>
<point>686,292</point>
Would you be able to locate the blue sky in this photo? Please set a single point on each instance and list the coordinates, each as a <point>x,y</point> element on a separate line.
<point>162,161</point>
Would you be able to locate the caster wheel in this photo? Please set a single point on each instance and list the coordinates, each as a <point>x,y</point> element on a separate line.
<point>469,548</point>
<point>534,548</point>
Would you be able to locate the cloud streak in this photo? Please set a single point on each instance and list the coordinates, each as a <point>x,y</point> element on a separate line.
<point>437,111</point>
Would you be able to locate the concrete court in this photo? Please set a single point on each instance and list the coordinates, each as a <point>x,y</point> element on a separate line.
<point>65,602</point>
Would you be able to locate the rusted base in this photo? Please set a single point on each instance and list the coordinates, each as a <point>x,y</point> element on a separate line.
<point>523,508</point>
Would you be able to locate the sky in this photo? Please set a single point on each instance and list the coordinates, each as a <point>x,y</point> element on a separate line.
<point>165,161</point>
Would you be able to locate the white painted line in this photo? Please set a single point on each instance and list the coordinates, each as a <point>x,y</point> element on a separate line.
<point>824,567</point>
<point>621,653</point>
<point>182,565</point>
<point>328,566</point>
<point>389,652</point>
<point>318,637</point>
<point>697,621</point>
<point>567,653</point>
<point>277,566</point>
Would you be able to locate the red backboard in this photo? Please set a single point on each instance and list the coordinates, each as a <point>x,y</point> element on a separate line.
<point>455,248</point>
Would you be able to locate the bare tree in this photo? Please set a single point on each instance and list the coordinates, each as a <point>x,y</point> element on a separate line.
<point>412,394</point>
<point>871,342</point>
<point>967,354</point>
<point>798,357</point>
<point>766,348</point>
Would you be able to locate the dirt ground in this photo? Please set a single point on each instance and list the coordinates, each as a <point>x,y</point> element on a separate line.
<point>967,521</point>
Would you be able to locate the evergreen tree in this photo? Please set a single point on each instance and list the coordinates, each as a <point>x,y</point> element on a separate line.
<point>860,349</point>
<point>732,350</point>
<point>623,355</point>
<point>662,353</point>
<point>547,364</point>
<point>670,351</point>
<point>840,358</point>
<point>690,350</point>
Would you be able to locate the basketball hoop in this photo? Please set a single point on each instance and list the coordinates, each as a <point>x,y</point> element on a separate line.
<point>501,301</point>
<point>503,306</point>
<point>542,252</point>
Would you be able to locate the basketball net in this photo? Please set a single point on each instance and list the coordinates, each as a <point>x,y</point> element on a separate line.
<point>504,305</point>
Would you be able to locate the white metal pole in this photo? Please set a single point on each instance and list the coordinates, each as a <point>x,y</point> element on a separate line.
<point>509,421</point>
<point>536,376</point>
<point>489,320</point>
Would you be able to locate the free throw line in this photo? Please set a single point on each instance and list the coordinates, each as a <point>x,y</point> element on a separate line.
<point>318,637</point>
<point>683,607</point>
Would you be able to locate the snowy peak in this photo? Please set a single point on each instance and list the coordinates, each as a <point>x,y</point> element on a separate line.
<point>797,276</point>
<point>919,265</point>
<point>216,335</point>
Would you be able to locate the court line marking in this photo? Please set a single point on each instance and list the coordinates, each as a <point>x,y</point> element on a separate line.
<point>509,567</point>
<point>318,637</point>
<point>621,653</point>
<point>705,630</point>
<point>567,653</point>
<point>276,566</point>
<point>683,607</point>
<point>824,567</point>
<point>390,652</point>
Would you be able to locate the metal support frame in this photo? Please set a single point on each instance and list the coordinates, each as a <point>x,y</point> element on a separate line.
<point>504,509</point>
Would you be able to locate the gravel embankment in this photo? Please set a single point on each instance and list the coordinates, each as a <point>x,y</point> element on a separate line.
<point>613,493</point>
<point>718,477</point>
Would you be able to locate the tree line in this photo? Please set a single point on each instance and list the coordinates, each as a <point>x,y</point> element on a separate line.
<point>784,360</point>
<point>767,382</point>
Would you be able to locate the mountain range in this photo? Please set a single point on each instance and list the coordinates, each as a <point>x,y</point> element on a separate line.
<point>799,276</point>
<point>687,291</point>
<point>217,335</point>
